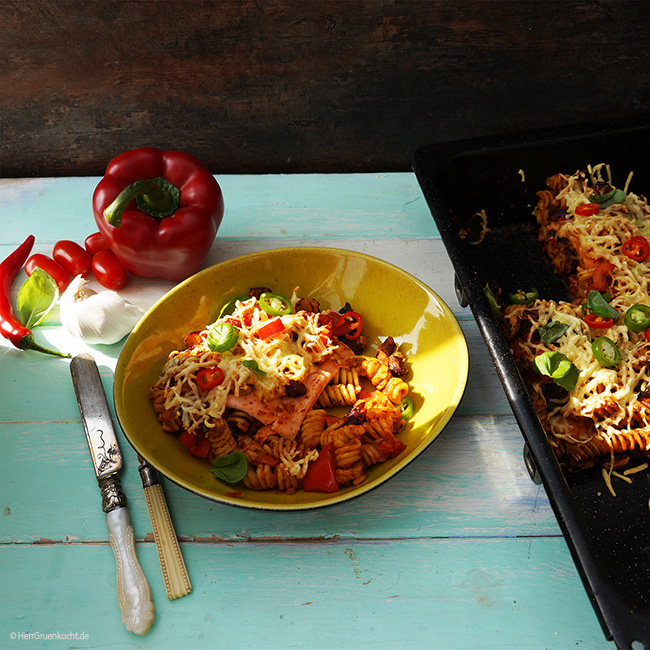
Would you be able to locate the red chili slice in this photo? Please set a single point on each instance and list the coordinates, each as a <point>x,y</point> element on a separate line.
<point>349,325</point>
<point>598,322</point>
<point>208,378</point>
<point>587,209</point>
<point>636,248</point>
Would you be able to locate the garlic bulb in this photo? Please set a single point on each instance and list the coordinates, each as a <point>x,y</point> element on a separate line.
<point>103,317</point>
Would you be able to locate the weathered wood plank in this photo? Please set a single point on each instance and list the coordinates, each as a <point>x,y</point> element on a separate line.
<point>46,468</point>
<point>294,86</point>
<point>463,594</point>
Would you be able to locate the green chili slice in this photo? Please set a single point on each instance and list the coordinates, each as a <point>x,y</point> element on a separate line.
<point>229,307</point>
<point>222,337</point>
<point>558,367</point>
<point>275,304</point>
<point>522,297</point>
<point>494,305</point>
<point>606,352</point>
<point>408,408</point>
<point>637,318</point>
<point>598,305</point>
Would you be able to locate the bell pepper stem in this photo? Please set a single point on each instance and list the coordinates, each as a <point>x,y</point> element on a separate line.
<point>155,196</point>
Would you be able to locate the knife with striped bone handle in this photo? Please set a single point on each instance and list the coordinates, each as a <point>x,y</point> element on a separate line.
<point>172,565</point>
<point>133,591</point>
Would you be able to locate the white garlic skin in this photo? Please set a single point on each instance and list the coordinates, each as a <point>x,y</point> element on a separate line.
<point>103,317</point>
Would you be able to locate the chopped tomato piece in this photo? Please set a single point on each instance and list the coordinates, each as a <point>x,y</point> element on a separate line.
<point>602,275</point>
<point>198,445</point>
<point>391,446</point>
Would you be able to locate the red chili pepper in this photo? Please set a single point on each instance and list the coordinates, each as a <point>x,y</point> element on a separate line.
<point>169,228</point>
<point>271,328</point>
<point>198,445</point>
<point>11,328</point>
<point>601,276</point>
<point>598,322</point>
<point>637,248</point>
<point>349,325</point>
<point>587,209</point>
<point>208,378</point>
<point>321,473</point>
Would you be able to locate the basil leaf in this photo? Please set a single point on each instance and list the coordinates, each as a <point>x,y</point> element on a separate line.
<point>230,468</point>
<point>36,298</point>
<point>251,364</point>
<point>552,331</point>
<point>605,200</point>
<point>598,305</point>
<point>558,367</point>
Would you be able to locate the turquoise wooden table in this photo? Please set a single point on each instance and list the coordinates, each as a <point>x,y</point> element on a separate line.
<point>460,550</point>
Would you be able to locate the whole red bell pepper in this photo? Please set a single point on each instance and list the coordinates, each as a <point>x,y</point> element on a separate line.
<point>159,211</point>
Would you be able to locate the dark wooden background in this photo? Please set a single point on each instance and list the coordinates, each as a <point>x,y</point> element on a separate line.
<point>279,86</point>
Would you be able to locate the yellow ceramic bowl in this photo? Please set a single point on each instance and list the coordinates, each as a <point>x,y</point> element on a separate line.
<point>392,302</point>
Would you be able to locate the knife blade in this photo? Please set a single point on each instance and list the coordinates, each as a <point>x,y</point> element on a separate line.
<point>133,591</point>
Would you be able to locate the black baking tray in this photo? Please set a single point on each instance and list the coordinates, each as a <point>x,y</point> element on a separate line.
<point>609,537</point>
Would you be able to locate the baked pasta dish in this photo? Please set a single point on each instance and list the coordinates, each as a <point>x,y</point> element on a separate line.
<point>586,363</point>
<point>279,394</point>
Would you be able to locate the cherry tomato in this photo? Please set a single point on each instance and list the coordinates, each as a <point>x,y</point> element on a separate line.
<point>637,248</point>
<point>54,269</point>
<point>108,270</point>
<point>587,209</point>
<point>72,257</point>
<point>95,243</point>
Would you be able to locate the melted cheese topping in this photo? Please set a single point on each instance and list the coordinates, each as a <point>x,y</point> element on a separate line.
<point>607,396</point>
<point>290,355</point>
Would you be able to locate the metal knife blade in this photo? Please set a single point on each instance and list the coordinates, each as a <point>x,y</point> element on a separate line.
<point>96,416</point>
<point>133,591</point>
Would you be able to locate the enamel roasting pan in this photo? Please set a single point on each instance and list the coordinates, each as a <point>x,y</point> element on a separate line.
<point>609,537</point>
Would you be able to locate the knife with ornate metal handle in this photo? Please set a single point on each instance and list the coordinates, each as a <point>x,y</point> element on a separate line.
<point>177,582</point>
<point>133,591</point>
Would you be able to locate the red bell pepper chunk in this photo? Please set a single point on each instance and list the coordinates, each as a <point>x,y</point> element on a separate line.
<point>321,473</point>
<point>598,322</point>
<point>159,212</point>
<point>271,328</point>
<point>646,334</point>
